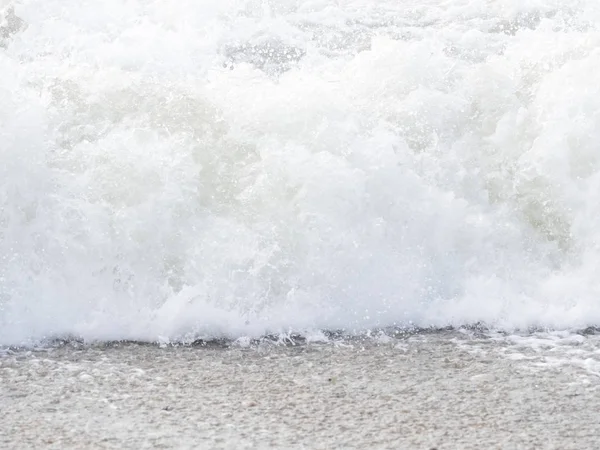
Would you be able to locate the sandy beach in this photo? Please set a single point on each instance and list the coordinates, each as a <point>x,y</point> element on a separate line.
<point>443,391</point>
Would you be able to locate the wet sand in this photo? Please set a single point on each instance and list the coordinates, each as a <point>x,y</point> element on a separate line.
<point>444,391</point>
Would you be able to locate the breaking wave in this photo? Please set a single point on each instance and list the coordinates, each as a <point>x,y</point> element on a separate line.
<point>231,167</point>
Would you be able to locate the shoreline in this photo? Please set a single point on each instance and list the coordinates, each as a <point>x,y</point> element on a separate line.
<point>296,338</point>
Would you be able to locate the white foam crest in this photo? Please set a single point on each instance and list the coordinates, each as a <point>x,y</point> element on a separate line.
<point>242,167</point>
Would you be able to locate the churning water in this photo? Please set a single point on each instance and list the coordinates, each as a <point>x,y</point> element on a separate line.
<point>239,167</point>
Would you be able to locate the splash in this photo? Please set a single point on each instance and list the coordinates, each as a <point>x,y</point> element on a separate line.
<point>243,167</point>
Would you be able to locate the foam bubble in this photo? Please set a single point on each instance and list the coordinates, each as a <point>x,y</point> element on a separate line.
<point>238,168</point>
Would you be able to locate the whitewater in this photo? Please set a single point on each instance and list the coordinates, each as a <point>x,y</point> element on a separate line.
<point>175,170</point>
